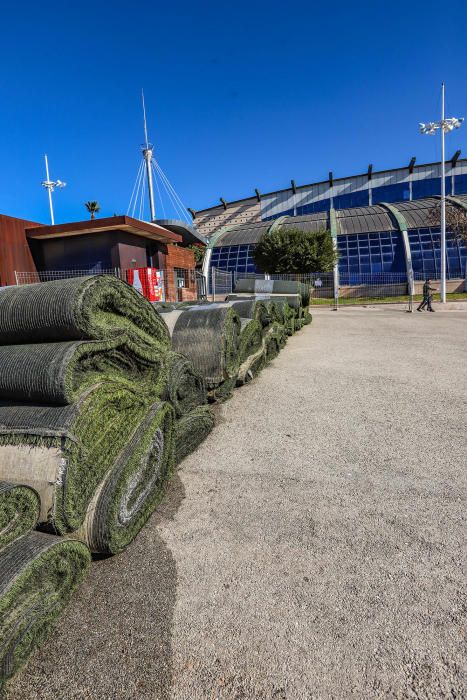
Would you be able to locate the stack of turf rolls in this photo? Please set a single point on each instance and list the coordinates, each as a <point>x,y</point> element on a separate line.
<point>229,342</point>
<point>38,574</point>
<point>86,441</point>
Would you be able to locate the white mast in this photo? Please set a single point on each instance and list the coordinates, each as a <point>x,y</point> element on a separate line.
<point>147,149</point>
<point>50,185</point>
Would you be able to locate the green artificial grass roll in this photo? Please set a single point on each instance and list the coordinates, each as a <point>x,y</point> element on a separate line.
<point>19,511</point>
<point>209,337</point>
<point>185,387</point>
<point>251,351</point>
<point>135,485</point>
<point>191,429</point>
<point>59,372</point>
<point>251,308</point>
<point>65,452</point>
<point>94,308</point>
<point>38,574</point>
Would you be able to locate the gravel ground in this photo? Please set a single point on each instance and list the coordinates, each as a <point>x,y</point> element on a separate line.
<point>311,548</point>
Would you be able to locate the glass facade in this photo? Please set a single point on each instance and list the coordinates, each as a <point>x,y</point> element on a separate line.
<point>374,254</point>
<point>425,244</point>
<point>371,253</point>
<point>234,258</point>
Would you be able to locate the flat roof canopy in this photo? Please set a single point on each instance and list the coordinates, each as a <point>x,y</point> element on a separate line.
<point>144,229</point>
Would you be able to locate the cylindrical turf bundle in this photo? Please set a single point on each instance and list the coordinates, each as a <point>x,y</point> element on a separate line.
<point>191,430</point>
<point>94,308</point>
<point>251,308</point>
<point>135,485</point>
<point>185,387</point>
<point>59,372</point>
<point>251,350</point>
<point>209,337</point>
<point>19,511</point>
<point>65,452</point>
<point>274,340</point>
<point>38,574</point>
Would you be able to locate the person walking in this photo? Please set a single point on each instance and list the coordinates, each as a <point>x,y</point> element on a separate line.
<point>427,296</point>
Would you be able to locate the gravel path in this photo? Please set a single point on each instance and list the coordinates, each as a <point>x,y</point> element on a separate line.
<point>311,548</point>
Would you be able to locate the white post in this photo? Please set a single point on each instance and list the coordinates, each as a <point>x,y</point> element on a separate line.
<point>49,190</point>
<point>443,206</point>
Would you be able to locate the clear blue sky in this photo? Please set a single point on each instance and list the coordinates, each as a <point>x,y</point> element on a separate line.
<point>239,95</point>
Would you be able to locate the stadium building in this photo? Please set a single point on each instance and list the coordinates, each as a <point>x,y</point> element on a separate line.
<point>380,221</point>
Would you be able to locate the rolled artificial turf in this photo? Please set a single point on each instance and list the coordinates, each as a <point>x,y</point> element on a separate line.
<point>93,308</point>
<point>251,308</point>
<point>191,429</point>
<point>135,485</point>
<point>58,373</point>
<point>19,511</point>
<point>184,387</point>
<point>65,452</point>
<point>209,337</point>
<point>251,351</point>
<point>38,574</point>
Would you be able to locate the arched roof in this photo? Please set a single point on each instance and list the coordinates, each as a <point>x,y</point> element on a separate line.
<point>355,220</point>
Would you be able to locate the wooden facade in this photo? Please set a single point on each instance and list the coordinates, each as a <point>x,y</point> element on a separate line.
<point>15,253</point>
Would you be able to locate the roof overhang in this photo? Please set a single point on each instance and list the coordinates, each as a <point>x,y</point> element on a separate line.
<point>189,233</point>
<point>153,232</point>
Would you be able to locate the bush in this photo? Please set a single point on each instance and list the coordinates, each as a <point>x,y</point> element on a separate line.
<point>288,250</point>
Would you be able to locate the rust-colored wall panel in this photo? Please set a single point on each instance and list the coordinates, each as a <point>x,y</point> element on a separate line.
<point>15,254</point>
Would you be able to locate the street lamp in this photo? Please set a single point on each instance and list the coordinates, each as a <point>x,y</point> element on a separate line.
<point>50,185</point>
<point>445,126</point>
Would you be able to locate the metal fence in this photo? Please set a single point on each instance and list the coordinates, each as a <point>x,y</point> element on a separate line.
<point>339,291</point>
<point>177,284</point>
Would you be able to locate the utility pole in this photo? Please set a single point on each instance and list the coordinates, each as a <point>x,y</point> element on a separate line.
<point>50,185</point>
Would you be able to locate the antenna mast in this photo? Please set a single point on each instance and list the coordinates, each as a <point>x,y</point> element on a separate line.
<point>50,185</point>
<point>147,149</point>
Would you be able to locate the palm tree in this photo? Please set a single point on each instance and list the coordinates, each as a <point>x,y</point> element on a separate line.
<point>92,207</point>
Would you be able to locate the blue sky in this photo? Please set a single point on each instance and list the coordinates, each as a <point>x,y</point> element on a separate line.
<point>239,95</point>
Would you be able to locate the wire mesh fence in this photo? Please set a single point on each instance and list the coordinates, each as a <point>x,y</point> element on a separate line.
<point>343,290</point>
<point>175,284</point>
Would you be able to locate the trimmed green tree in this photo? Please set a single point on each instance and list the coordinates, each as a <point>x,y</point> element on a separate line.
<point>291,250</point>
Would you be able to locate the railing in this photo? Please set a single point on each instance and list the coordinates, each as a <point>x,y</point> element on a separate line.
<point>344,290</point>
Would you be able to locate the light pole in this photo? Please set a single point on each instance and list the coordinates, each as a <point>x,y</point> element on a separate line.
<point>445,125</point>
<point>50,185</point>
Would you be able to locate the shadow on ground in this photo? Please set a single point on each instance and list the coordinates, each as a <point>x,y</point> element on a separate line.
<point>114,639</point>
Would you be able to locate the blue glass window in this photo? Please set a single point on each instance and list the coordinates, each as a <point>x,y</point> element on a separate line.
<point>351,199</point>
<point>313,207</point>
<point>370,253</point>
<point>460,184</point>
<point>430,187</point>
<point>396,192</point>
<point>425,248</point>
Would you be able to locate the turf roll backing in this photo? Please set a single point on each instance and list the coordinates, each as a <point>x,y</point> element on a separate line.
<point>94,308</point>
<point>65,452</point>
<point>38,574</point>
<point>190,431</point>
<point>135,485</point>
<point>19,511</point>
<point>185,387</point>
